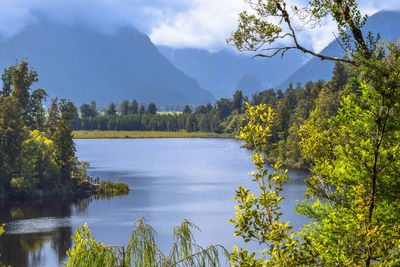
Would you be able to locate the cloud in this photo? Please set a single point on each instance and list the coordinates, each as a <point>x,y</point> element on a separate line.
<point>206,24</point>
<point>372,6</point>
<point>176,23</point>
<point>104,15</point>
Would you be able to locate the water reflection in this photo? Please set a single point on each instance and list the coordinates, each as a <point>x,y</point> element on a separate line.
<point>33,227</point>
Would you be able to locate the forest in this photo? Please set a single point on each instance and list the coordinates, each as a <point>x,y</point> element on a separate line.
<point>37,150</point>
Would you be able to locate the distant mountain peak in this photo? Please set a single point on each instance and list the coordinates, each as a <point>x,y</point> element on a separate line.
<point>77,62</point>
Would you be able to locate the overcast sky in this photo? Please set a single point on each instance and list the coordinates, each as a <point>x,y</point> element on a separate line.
<point>176,23</point>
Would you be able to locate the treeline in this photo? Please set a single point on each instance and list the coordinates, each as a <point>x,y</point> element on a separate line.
<point>222,117</point>
<point>37,152</point>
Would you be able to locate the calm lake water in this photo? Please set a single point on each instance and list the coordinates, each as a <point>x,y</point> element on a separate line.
<point>170,180</point>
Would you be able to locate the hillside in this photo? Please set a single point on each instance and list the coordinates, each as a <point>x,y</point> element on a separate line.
<point>77,62</point>
<point>225,71</point>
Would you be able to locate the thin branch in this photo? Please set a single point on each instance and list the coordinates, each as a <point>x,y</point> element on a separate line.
<point>285,16</point>
<point>340,43</point>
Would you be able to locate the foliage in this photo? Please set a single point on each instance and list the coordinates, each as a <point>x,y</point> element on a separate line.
<point>125,107</point>
<point>109,189</point>
<point>151,109</point>
<point>12,134</point>
<point>187,109</point>
<point>352,147</point>
<point>111,109</point>
<point>258,216</point>
<point>342,231</point>
<point>37,157</point>
<point>142,250</point>
<point>87,252</point>
<point>360,160</point>
<point>1,232</point>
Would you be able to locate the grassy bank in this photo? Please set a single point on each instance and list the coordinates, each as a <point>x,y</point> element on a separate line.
<point>145,134</point>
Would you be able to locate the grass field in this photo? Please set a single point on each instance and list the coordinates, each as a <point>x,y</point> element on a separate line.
<point>145,134</point>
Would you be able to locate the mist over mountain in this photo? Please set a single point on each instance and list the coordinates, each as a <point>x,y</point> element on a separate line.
<point>77,62</point>
<point>383,22</point>
<point>224,71</point>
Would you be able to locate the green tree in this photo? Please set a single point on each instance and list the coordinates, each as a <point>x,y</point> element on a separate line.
<point>151,109</point>
<point>93,107</point>
<point>1,232</point>
<point>191,123</point>
<point>65,149</point>
<point>201,110</point>
<point>86,111</point>
<point>68,112</point>
<point>12,135</point>
<point>209,107</point>
<point>125,107</point>
<point>142,109</point>
<point>187,109</point>
<point>133,109</point>
<point>21,80</point>
<point>53,115</point>
<point>223,108</point>
<point>355,164</point>
<point>36,108</point>
<point>6,78</point>
<point>63,141</point>
<point>17,81</point>
<point>111,109</point>
<point>39,166</point>
<point>237,102</point>
<point>341,75</point>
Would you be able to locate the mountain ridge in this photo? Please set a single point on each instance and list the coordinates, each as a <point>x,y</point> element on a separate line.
<point>76,62</point>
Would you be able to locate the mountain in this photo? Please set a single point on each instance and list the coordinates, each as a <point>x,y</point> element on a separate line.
<point>225,71</point>
<point>82,64</point>
<point>383,22</point>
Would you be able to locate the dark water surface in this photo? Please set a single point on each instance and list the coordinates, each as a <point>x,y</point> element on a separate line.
<point>170,180</point>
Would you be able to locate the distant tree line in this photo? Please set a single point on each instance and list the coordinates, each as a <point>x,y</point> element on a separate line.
<point>205,118</point>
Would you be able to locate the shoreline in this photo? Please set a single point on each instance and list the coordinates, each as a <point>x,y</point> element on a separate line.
<point>96,134</point>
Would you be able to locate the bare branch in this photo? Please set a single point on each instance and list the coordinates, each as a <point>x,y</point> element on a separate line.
<point>340,43</point>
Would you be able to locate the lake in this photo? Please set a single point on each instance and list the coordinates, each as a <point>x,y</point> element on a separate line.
<point>170,180</point>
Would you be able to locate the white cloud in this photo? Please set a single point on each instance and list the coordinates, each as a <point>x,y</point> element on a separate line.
<point>205,25</point>
<point>176,23</point>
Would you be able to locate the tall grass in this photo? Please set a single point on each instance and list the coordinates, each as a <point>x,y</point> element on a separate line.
<point>145,134</point>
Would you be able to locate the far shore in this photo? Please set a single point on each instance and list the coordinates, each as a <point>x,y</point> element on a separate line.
<point>146,134</point>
